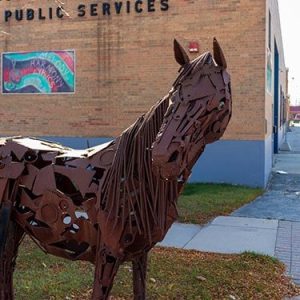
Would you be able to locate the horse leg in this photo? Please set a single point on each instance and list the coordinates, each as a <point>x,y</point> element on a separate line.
<point>106,268</point>
<point>139,277</point>
<point>8,260</point>
<point>10,237</point>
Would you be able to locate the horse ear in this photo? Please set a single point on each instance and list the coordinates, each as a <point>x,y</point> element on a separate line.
<point>219,55</point>
<point>180,55</point>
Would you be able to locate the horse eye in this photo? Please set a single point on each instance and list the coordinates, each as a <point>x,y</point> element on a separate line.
<point>221,105</point>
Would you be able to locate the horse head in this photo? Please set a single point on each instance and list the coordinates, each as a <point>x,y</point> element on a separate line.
<point>198,113</point>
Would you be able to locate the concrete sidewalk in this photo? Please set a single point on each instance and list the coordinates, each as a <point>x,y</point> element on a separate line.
<point>269,225</point>
<point>225,235</point>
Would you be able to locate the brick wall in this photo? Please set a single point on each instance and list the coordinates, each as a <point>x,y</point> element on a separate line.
<point>124,63</point>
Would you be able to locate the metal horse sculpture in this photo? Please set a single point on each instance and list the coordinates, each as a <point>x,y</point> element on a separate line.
<point>114,202</point>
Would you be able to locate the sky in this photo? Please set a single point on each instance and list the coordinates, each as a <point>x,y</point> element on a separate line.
<point>290,26</point>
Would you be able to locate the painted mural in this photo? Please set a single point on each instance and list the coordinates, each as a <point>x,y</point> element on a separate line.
<point>41,72</point>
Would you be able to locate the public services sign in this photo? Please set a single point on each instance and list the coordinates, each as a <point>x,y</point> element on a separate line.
<point>104,8</point>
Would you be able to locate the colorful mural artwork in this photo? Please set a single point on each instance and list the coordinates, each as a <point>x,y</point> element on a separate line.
<point>42,72</point>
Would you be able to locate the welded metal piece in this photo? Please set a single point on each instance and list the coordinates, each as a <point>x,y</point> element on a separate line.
<point>114,202</point>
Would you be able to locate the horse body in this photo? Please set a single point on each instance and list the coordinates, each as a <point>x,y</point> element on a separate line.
<point>57,192</point>
<point>113,202</point>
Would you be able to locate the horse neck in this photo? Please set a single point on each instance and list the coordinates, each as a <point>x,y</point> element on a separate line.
<point>132,191</point>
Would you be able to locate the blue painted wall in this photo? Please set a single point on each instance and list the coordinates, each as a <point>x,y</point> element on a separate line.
<point>234,162</point>
<point>268,158</point>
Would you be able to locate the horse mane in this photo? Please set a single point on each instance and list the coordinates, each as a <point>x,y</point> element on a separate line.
<point>132,192</point>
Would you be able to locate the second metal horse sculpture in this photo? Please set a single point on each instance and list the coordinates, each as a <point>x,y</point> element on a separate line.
<point>114,202</point>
